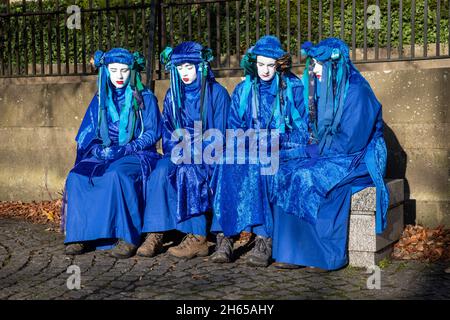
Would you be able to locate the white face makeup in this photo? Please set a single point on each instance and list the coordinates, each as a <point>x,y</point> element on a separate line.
<point>119,74</point>
<point>266,68</point>
<point>187,72</point>
<point>318,68</point>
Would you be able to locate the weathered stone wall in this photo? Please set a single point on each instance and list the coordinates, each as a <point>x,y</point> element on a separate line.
<point>39,119</point>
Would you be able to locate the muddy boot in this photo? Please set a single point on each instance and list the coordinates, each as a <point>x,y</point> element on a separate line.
<point>191,246</point>
<point>261,253</point>
<point>152,245</point>
<point>75,248</point>
<point>123,250</point>
<point>224,249</point>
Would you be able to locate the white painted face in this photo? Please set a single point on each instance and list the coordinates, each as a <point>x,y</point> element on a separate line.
<point>188,73</point>
<point>318,69</point>
<point>119,74</point>
<point>266,68</point>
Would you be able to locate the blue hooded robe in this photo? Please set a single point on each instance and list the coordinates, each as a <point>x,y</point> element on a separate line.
<point>312,196</point>
<point>179,195</point>
<point>103,198</point>
<point>241,191</point>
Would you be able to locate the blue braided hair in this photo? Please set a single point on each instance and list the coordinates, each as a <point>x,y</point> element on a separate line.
<point>334,56</point>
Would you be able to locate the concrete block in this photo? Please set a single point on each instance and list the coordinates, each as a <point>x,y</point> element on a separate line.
<point>362,236</point>
<point>365,259</point>
<point>364,201</point>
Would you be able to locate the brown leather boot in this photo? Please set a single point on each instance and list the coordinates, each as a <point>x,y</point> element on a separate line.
<point>191,246</point>
<point>152,245</point>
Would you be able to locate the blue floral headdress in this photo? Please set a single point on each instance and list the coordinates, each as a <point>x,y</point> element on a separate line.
<point>133,98</point>
<point>186,52</point>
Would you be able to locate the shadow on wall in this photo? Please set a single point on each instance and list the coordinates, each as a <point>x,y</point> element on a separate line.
<point>396,169</point>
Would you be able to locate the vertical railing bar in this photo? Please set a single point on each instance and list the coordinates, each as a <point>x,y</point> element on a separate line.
<point>438,28</point>
<point>83,44</point>
<point>267,17</point>
<point>218,48</point>
<point>17,45</point>
<point>117,28</point>
<point>342,19</point>
<point>66,43</point>
<point>278,18</point>
<point>365,31</point>
<point>331,18</point>
<point>171,26</point>
<point>33,45</point>
<point>25,37</point>
<point>257,20</point>
<point>353,30</point>
<point>238,36</point>
<point>126,12</point>
<point>151,43</point>
<point>75,52</point>
<point>91,19</point>
<point>199,21</point>
<point>180,24</point>
<point>413,28</point>
<point>163,35</point>
<point>108,26</point>
<point>227,13</point>
<point>309,20</point>
<point>320,19</point>
<point>389,29</point>
<point>247,27</point>
<point>49,37</point>
<point>41,38</point>
<point>190,22</point>
<point>135,29</point>
<point>100,30</point>
<point>400,29</point>
<point>8,11</point>
<point>144,31</point>
<point>288,26</point>
<point>208,24</point>
<point>425,29</point>
<point>376,35</point>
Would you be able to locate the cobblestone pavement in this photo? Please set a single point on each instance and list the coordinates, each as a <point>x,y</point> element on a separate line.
<point>33,266</point>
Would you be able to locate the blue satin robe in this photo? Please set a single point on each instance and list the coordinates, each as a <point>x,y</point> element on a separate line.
<point>242,193</point>
<point>179,196</point>
<point>104,200</point>
<point>312,196</point>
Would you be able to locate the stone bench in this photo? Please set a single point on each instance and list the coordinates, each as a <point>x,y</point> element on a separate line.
<point>366,248</point>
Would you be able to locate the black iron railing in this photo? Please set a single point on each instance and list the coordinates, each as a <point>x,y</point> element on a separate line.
<point>36,40</point>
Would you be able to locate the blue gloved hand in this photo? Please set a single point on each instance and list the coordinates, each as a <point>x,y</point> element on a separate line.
<point>110,153</point>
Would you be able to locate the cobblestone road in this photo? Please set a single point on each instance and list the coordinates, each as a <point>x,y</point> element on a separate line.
<point>33,266</point>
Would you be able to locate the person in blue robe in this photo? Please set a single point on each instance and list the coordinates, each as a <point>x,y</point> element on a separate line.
<point>312,195</point>
<point>178,192</point>
<point>268,102</point>
<point>103,201</point>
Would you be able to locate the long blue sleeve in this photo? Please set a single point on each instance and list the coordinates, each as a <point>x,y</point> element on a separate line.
<point>151,119</point>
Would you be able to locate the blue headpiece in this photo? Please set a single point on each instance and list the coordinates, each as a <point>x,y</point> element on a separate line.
<point>333,54</point>
<point>133,99</point>
<point>186,52</point>
<point>268,46</point>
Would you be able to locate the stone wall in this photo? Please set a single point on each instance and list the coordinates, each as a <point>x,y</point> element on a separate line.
<point>40,116</point>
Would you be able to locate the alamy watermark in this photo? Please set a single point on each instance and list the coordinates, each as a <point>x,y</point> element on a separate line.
<point>252,146</point>
<point>74,280</point>
<point>374,280</point>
